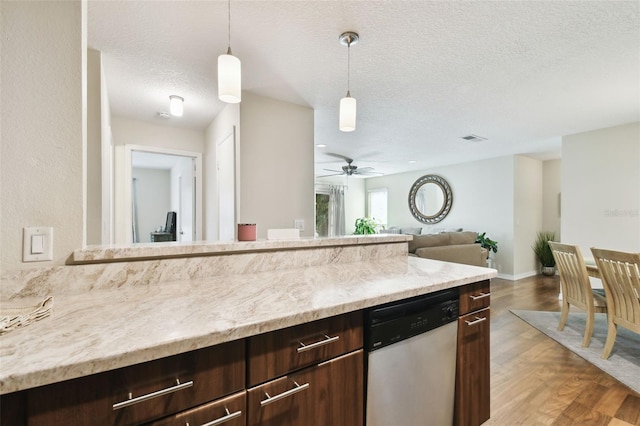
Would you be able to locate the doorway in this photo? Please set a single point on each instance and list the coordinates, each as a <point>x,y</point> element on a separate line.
<point>163,181</point>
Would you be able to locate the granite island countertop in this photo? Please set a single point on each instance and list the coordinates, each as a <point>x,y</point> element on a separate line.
<point>102,330</point>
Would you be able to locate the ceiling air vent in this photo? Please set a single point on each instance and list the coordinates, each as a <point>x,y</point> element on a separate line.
<point>474,138</point>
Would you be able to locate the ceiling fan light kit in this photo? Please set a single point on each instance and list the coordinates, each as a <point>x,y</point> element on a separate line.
<point>229,73</point>
<point>347,120</point>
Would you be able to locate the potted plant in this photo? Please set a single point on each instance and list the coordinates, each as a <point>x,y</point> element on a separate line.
<point>543,252</point>
<point>487,243</point>
<point>365,225</point>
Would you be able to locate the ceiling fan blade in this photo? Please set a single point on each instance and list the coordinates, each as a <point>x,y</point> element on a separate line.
<point>337,171</point>
<point>365,169</point>
<point>335,174</point>
<point>345,158</point>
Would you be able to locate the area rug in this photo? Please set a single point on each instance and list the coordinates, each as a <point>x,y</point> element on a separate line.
<point>624,362</point>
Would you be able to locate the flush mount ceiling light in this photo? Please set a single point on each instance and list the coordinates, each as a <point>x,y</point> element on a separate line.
<point>348,104</point>
<point>176,107</point>
<point>229,73</point>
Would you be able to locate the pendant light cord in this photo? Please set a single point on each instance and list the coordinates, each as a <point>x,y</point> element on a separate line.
<point>348,67</point>
<point>229,27</point>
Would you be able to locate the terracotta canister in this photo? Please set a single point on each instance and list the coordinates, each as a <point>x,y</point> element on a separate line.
<point>247,232</point>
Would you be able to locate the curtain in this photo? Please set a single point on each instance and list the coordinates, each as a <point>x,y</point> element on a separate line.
<point>336,211</point>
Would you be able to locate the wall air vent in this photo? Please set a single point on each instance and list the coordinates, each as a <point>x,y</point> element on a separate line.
<point>474,138</point>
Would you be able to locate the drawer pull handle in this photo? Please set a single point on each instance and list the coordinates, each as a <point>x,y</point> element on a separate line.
<point>477,320</point>
<point>229,416</point>
<point>326,341</point>
<point>270,399</point>
<point>481,296</point>
<point>132,401</point>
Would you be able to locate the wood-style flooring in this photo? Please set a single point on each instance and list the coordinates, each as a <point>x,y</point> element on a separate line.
<point>535,380</point>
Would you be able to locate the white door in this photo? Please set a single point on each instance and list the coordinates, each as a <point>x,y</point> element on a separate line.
<point>226,159</point>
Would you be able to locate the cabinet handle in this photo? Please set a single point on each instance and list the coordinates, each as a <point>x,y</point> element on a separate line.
<point>477,320</point>
<point>326,341</point>
<point>132,401</point>
<point>229,416</point>
<point>481,296</point>
<point>270,399</point>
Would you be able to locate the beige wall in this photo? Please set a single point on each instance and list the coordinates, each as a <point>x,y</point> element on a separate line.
<point>527,213</point>
<point>42,130</point>
<point>276,164</point>
<point>601,189</point>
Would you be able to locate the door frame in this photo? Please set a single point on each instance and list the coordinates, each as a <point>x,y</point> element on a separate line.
<point>128,173</point>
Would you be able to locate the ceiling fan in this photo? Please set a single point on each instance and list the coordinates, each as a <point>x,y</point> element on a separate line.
<point>350,169</point>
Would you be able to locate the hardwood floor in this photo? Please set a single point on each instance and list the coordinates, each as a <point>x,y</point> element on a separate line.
<point>536,381</point>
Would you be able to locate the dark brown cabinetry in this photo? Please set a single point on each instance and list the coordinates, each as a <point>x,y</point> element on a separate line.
<point>230,411</point>
<point>143,392</point>
<point>313,374</point>
<point>472,403</point>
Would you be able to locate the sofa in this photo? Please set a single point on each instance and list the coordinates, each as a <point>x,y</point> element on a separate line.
<point>457,247</point>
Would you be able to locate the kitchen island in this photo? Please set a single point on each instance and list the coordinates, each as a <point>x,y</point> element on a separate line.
<point>255,289</point>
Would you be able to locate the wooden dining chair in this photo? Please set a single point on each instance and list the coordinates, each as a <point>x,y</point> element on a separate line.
<point>576,288</point>
<point>620,272</point>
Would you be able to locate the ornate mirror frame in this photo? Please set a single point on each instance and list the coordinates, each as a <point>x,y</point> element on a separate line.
<point>443,210</point>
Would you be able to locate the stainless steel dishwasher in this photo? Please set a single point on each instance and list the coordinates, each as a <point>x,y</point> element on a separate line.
<point>411,361</point>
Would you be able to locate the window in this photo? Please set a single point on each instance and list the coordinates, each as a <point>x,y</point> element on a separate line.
<point>377,205</point>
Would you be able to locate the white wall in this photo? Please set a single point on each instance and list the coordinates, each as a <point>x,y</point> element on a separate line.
<point>551,195</point>
<point>601,189</point>
<point>276,164</point>
<point>216,132</point>
<point>153,188</point>
<point>527,214</point>
<point>41,117</point>
<point>484,194</point>
<point>355,199</point>
<point>126,131</point>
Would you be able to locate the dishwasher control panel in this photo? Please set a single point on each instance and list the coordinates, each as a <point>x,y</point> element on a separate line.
<point>397,321</point>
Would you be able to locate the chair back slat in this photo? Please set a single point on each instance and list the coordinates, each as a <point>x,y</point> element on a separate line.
<point>574,279</point>
<point>620,273</point>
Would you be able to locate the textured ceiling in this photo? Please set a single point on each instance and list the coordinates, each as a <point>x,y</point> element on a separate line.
<point>519,73</point>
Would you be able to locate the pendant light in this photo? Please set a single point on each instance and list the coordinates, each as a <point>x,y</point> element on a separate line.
<point>176,107</point>
<point>348,104</point>
<point>229,73</point>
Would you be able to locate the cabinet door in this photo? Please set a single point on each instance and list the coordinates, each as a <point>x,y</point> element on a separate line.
<point>331,393</point>
<point>472,370</point>
<point>475,296</point>
<point>230,411</point>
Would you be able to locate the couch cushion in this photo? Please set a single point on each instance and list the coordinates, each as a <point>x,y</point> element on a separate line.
<point>412,231</point>
<point>467,237</point>
<point>428,240</point>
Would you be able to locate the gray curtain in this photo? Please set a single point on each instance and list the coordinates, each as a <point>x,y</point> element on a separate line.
<point>336,211</point>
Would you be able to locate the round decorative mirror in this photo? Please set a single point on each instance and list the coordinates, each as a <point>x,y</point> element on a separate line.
<point>430,199</point>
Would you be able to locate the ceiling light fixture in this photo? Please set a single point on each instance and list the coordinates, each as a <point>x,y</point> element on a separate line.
<point>348,104</point>
<point>229,73</point>
<point>176,107</point>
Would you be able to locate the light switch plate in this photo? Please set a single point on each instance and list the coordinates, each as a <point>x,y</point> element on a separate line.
<point>47,244</point>
<point>299,224</point>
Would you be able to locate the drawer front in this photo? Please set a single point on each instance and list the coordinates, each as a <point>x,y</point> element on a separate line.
<point>330,393</point>
<point>229,411</point>
<point>475,296</point>
<point>180,382</point>
<point>275,354</point>
<point>204,375</point>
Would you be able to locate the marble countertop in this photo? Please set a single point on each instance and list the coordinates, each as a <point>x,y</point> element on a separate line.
<point>103,330</point>
<point>127,252</point>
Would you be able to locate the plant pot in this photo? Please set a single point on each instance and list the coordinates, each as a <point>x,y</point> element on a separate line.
<point>548,270</point>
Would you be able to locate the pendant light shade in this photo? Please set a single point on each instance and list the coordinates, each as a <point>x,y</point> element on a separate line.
<point>229,78</point>
<point>176,107</point>
<point>348,113</point>
<point>229,72</point>
<point>347,119</point>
